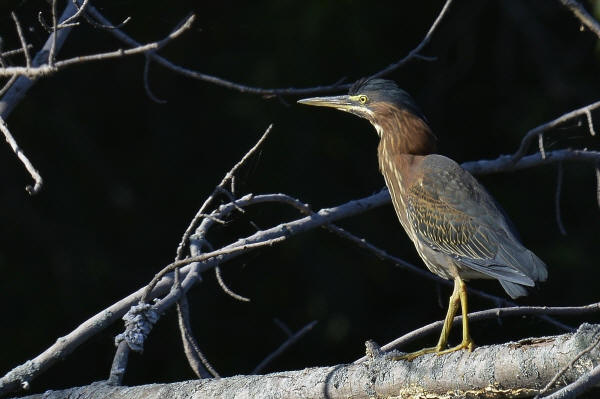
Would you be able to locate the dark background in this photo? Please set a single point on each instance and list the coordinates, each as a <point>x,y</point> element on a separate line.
<point>124,175</point>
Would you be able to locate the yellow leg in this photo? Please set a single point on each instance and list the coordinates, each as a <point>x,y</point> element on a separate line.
<point>459,296</point>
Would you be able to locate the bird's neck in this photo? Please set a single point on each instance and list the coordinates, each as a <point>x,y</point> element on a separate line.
<point>403,132</point>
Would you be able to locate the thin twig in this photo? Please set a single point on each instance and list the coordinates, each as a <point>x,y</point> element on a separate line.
<point>598,183</point>
<point>23,158</point>
<point>283,327</point>
<point>20,88</point>
<point>196,358</point>
<point>52,53</point>
<point>567,367</point>
<point>541,145</point>
<point>223,251</point>
<point>43,23</point>
<point>526,141</point>
<point>15,51</point>
<point>8,85</point>
<point>70,21</point>
<point>559,182</point>
<point>24,46</point>
<point>288,342</point>
<point>213,79</point>
<point>108,27</point>
<point>229,175</point>
<point>225,288</point>
<point>584,17</point>
<point>590,122</point>
<point>257,90</point>
<point>54,67</point>
<point>414,53</point>
<point>583,384</point>
<point>147,83</point>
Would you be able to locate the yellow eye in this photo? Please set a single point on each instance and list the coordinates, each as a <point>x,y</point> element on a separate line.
<point>363,99</point>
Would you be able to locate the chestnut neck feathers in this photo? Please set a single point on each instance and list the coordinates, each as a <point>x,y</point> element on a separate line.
<point>401,131</point>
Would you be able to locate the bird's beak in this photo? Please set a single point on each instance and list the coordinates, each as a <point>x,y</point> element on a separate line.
<point>339,102</point>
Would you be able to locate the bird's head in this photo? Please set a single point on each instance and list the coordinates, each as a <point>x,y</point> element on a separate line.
<point>390,110</point>
<point>371,99</point>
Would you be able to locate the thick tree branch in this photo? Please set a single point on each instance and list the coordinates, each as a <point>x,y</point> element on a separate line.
<point>515,368</point>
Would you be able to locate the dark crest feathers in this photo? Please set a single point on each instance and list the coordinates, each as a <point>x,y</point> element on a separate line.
<point>387,91</point>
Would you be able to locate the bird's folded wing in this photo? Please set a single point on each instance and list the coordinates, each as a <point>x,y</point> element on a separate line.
<point>450,212</point>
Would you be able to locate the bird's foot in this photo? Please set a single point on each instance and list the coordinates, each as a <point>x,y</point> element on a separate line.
<point>412,356</point>
<point>466,344</point>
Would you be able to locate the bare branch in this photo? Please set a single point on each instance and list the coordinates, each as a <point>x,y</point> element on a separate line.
<point>15,51</point>
<point>225,288</point>
<point>23,158</point>
<point>71,21</point>
<point>213,79</point>
<point>20,88</point>
<point>147,83</point>
<point>588,115</point>
<point>198,362</point>
<point>415,52</point>
<point>559,182</point>
<point>50,68</point>
<point>504,163</point>
<point>584,17</point>
<point>549,125</point>
<point>270,92</point>
<point>201,258</point>
<point>51,54</point>
<point>107,27</point>
<point>283,327</point>
<point>65,345</point>
<point>228,176</point>
<point>8,84</point>
<point>598,183</point>
<point>541,145</point>
<point>24,46</point>
<point>43,23</point>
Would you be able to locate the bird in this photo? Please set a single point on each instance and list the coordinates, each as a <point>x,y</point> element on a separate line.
<point>458,229</point>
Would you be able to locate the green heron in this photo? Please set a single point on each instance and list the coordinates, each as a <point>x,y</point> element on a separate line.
<point>458,229</point>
